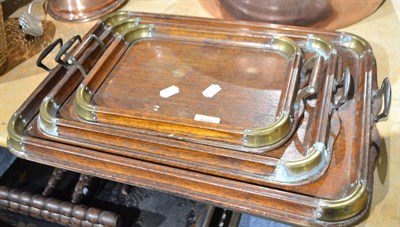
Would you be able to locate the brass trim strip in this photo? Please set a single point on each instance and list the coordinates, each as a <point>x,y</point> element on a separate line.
<point>278,130</point>
<point>320,46</point>
<point>15,129</point>
<point>344,208</point>
<point>83,106</point>
<point>268,135</point>
<point>84,95</point>
<point>138,32</point>
<point>122,26</point>
<point>354,42</point>
<point>310,161</point>
<point>305,168</point>
<point>286,46</point>
<point>115,18</point>
<point>318,157</point>
<point>48,116</point>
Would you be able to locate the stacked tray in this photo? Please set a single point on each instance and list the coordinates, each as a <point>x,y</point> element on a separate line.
<point>270,120</point>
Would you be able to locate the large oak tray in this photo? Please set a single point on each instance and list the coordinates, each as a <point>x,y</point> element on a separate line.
<point>340,196</point>
<point>252,168</point>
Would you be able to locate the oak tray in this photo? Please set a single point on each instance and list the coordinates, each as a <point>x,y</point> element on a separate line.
<point>312,166</point>
<point>63,125</point>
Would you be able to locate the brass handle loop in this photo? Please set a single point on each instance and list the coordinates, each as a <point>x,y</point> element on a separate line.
<point>386,92</point>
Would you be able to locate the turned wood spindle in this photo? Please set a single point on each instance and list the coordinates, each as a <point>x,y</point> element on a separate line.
<point>82,188</point>
<point>54,210</point>
<point>55,179</point>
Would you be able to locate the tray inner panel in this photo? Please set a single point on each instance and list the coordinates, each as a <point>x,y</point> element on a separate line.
<point>250,81</point>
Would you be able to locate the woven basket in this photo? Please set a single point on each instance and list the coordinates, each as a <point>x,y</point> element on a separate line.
<point>3,44</point>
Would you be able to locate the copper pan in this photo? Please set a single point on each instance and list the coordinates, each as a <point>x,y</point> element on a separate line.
<point>81,10</point>
<point>328,14</point>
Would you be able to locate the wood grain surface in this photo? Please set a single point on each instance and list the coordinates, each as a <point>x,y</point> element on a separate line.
<point>24,79</point>
<point>219,184</point>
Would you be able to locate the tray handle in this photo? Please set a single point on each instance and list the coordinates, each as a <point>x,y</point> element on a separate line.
<point>46,52</point>
<point>65,48</point>
<point>315,64</point>
<point>386,92</point>
<point>345,82</point>
<point>73,61</point>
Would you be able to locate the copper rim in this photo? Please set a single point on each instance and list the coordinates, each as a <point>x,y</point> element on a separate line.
<point>81,10</point>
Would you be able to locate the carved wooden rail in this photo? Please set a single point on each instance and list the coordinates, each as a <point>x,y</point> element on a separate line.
<point>54,210</point>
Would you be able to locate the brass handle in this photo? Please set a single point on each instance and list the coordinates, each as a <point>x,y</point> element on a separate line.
<point>46,52</point>
<point>386,92</point>
<point>73,61</point>
<point>307,66</point>
<point>65,48</point>
<point>316,66</point>
<point>345,83</point>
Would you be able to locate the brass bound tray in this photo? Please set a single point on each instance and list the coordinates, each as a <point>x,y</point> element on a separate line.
<point>265,119</point>
<point>252,168</point>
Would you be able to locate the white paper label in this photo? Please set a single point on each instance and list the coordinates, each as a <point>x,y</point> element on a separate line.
<point>212,90</point>
<point>209,119</point>
<point>169,91</point>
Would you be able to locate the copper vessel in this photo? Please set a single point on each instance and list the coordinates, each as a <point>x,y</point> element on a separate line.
<point>81,10</point>
<point>329,14</point>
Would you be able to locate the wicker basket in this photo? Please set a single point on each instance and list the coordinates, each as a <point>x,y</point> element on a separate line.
<point>3,44</point>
